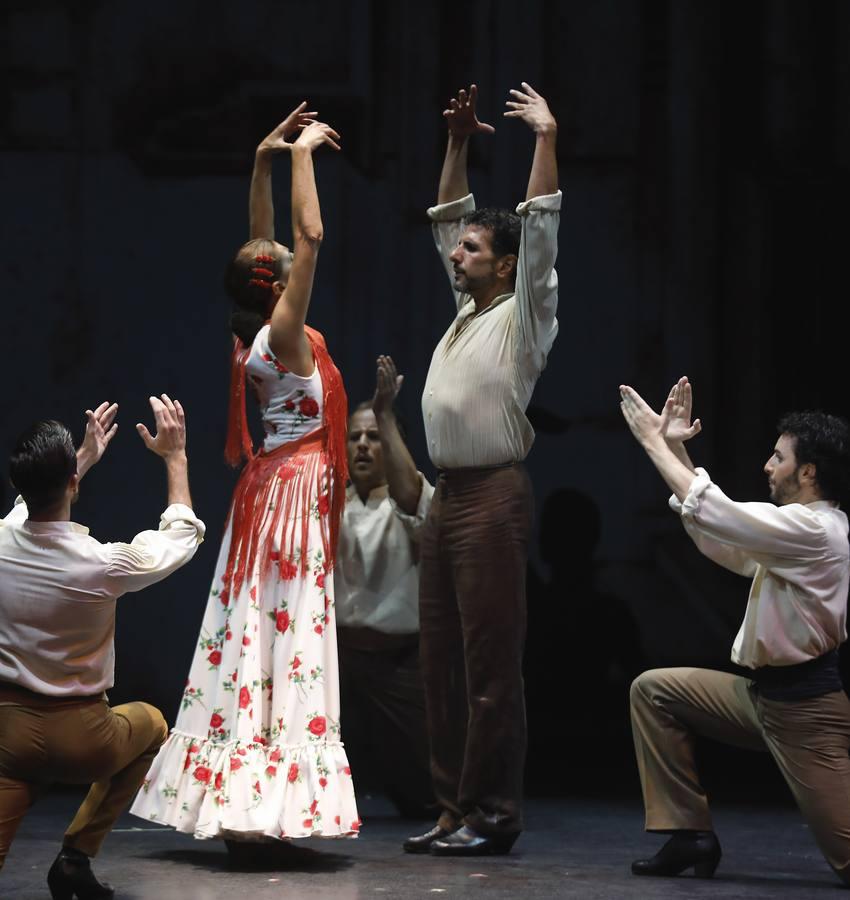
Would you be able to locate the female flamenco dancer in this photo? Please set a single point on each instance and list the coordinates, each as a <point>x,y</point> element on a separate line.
<point>255,754</point>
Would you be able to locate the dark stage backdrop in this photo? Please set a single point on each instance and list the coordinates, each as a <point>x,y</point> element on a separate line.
<point>704,157</point>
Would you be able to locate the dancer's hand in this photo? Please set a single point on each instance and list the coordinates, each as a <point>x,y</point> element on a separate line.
<point>388,384</point>
<point>461,117</point>
<point>170,439</point>
<point>278,140</point>
<point>315,134</point>
<point>645,424</point>
<point>100,429</point>
<point>676,415</point>
<point>529,106</point>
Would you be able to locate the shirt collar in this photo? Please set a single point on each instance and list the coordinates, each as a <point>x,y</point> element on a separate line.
<point>468,308</point>
<point>54,527</point>
<point>376,495</point>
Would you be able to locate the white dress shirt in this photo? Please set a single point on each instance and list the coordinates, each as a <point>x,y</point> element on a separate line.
<point>376,581</point>
<point>798,558</point>
<point>58,587</point>
<point>484,370</point>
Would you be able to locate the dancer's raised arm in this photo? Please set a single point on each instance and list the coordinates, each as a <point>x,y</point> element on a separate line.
<point>462,122</point>
<point>286,336</point>
<point>260,203</point>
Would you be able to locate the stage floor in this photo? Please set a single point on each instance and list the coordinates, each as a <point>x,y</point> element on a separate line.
<point>571,848</point>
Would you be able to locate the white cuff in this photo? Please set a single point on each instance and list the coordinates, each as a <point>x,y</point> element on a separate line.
<point>179,512</point>
<point>543,203</point>
<point>690,505</point>
<point>453,210</point>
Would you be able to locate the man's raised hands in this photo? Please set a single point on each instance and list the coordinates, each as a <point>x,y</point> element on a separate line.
<point>529,106</point>
<point>461,117</point>
<point>170,439</point>
<point>676,415</point>
<point>100,429</point>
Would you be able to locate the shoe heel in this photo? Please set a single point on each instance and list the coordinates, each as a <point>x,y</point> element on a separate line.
<point>706,869</point>
<point>60,891</point>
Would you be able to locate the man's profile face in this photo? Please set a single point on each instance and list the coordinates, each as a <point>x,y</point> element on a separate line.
<point>781,470</point>
<point>365,455</point>
<point>473,260</point>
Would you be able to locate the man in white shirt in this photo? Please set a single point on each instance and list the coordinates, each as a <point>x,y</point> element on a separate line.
<point>795,549</point>
<point>475,541</point>
<point>376,585</point>
<point>58,592</point>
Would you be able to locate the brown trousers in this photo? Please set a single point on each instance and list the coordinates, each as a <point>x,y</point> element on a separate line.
<point>808,739</point>
<point>45,740</point>
<point>382,705</point>
<point>474,549</point>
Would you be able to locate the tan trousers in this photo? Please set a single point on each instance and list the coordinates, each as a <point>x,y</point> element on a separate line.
<point>76,741</point>
<point>808,739</point>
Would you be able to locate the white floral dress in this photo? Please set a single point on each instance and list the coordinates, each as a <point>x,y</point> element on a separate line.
<point>256,751</point>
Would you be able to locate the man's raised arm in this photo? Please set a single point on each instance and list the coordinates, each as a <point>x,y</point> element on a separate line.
<point>529,106</point>
<point>462,122</point>
<point>403,481</point>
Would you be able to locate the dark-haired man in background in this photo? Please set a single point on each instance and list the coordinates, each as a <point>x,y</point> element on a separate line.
<point>792,704</point>
<point>475,541</point>
<point>376,586</point>
<point>58,587</point>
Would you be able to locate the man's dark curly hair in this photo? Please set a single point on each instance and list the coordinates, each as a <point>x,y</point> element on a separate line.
<point>504,226</point>
<point>42,461</point>
<point>824,441</point>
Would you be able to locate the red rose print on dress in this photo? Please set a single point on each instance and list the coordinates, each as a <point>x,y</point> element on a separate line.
<point>218,780</point>
<point>215,658</point>
<point>216,720</point>
<point>323,782</point>
<point>235,764</point>
<point>271,771</point>
<point>293,773</point>
<point>324,504</point>
<point>288,570</point>
<point>202,774</point>
<point>308,823</point>
<point>289,405</point>
<point>244,697</point>
<point>274,756</point>
<point>308,407</point>
<point>317,725</point>
<point>282,620</point>
<point>320,580</point>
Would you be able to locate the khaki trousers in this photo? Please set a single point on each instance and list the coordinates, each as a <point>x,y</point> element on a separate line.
<point>45,740</point>
<point>808,739</point>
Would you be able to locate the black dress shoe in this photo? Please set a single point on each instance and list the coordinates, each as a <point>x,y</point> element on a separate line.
<point>71,876</point>
<point>699,850</point>
<point>466,842</point>
<point>422,842</point>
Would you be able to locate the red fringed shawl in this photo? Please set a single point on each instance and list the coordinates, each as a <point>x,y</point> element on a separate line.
<point>275,490</point>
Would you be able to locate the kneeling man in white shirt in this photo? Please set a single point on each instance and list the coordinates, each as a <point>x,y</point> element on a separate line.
<point>58,593</point>
<point>791,703</point>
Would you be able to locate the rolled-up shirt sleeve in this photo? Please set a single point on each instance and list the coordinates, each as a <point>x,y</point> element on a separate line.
<point>741,536</point>
<point>153,555</point>
<point>413,523</point>
<point>17,515</point>
<point>537,280</point>
<point>446,227</point>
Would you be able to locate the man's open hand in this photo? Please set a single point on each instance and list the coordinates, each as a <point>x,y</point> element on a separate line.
<point>170,439</point>
<point>388,384</point>
<point>676,415</point>
<point>461,117</point>
<point>529,106</point>
<point>100,429</point>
